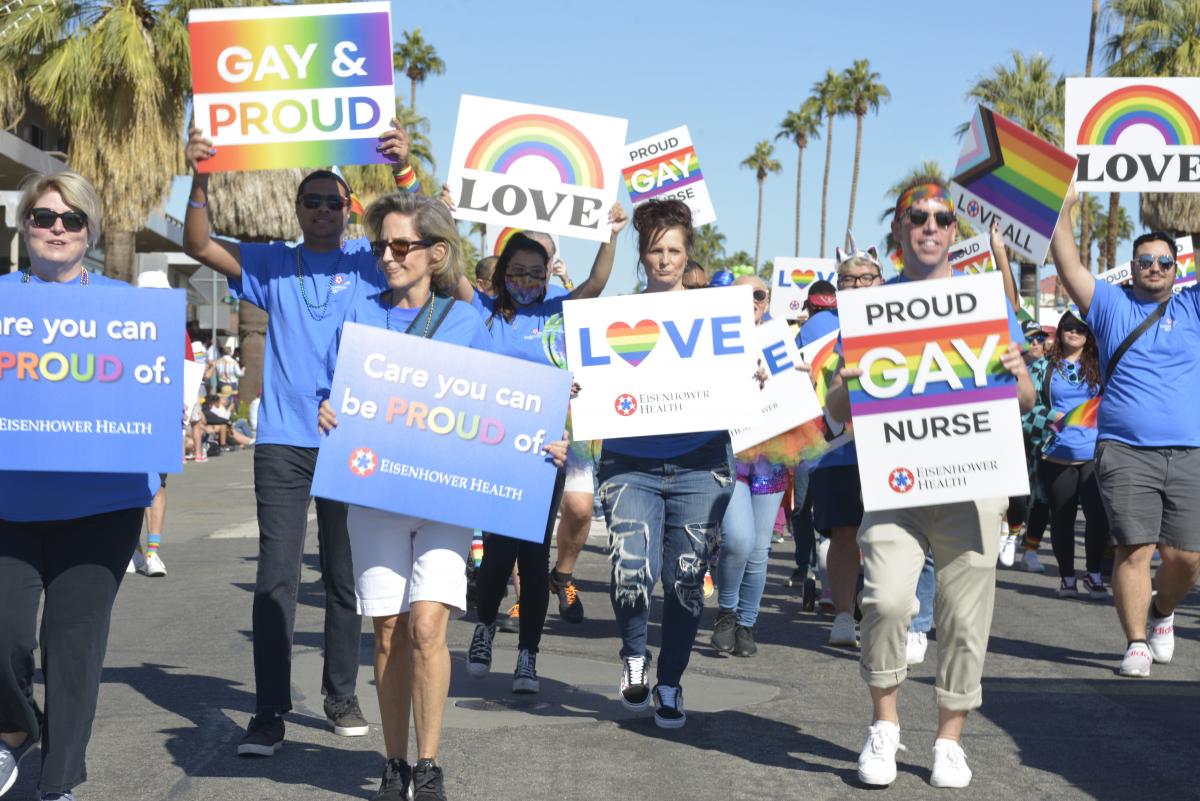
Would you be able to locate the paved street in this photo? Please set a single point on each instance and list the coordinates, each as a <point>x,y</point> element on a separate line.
<point>1057,722</point>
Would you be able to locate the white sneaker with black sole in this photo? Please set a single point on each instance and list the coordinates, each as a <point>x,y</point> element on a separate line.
<point>525,677</point>
<point>668,707</point>
<point>635,692</point>
<point>479,655</point>
<point>877,761</point>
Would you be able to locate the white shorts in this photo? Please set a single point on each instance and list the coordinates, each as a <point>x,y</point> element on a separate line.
<point>399,559</point>
<point>579,473</point>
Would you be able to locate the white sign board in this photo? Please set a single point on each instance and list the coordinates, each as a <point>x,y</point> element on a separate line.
<point>972,256</point>
<point>935,413</point>
<point>665,166</point>
<point>790,283</point>
<point>785,394</point>
<point>663,362</point>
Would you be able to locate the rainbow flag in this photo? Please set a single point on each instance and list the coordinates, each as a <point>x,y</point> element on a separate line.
<point>1006,172</point>
<point>911,345</point>
<point>1084,415</point>
<point>823,366</point>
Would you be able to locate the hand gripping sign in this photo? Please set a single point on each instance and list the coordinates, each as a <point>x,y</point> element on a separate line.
<point>292,86</point>
<point>935,413</point>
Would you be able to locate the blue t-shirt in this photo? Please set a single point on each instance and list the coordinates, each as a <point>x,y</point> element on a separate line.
<point>299,336</point>
<point>27,496</point>
<point>556,291</point>
<point>1151,399</point>
<point>822,324</point>
<point>660,446</point>
<point>523,337</point>
<point>1068,390</point>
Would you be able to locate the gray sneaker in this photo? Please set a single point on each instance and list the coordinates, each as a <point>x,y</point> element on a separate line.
<point>68,796</point>
<point>9,757</point>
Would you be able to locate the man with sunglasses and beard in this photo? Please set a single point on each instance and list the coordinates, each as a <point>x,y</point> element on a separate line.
<point>1147,451</point>
<point>961,536</point>
<point>305,288</point>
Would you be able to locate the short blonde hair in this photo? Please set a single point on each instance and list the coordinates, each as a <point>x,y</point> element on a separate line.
<point>858,261</point>
<point>432,220</point>
<point>76,191</point>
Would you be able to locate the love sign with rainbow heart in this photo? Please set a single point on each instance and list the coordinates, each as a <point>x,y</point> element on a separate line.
<point>1134,134</point>
<point>663,363</point>
<point>292,86</point>
<point>533,167</point>
<point>790,283</point>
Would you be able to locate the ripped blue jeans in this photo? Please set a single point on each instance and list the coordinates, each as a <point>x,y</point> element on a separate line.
<point>663,519</point>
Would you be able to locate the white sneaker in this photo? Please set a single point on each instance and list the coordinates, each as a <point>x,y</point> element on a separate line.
<point>1160,637</point>
<point>949,765</point>
<point>918,642</point>
<point>1008,550</point>
<point>877,762</point>
<point>152,566</point>
<point>1137,660</point>
<point>137,563</point>
<point>1032,563</point>
<point>842,632</point>
<point>131,567</point>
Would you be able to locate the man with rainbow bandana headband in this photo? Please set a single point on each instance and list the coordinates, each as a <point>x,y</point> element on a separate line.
<point>961,537</point>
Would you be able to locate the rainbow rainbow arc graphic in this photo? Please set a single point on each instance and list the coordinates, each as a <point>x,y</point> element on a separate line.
<point>503,238</point>
<point>1140,104</point>
<point>1014,171</point>
<point>1084,415</point>
<point>538,136</point>
<point>911,345</point>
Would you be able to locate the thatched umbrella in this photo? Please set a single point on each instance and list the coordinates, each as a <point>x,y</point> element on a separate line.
<point>1177,212</point>
<point>254,207</point>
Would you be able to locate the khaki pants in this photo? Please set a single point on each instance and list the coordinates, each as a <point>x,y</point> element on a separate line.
<point>964,538</point>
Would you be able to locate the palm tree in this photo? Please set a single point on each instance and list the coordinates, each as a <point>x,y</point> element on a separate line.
<point>800,126</point>
<point>417,59</point>
<point>372,180</point>
<point>481,229</point>
<point>1123,232</point>
<point>864,93</point>
<point>116,77</point>
<point>709,246</point>
<point>830,95</point>
<point>1085,221</point>
<point>1156,40</point>
<point>763,163</point>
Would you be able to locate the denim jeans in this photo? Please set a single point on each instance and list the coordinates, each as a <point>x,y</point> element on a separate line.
<point>745,546</point>
<point>663,519</point>
<point>926,589</point>
<point>283,489</point>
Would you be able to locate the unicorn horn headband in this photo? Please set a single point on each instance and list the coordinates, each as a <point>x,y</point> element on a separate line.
<point>852,252</point>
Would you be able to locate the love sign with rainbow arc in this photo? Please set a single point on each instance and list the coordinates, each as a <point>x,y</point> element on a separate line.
<point>517,165</point>
<point>1139,134</point>
<point>292,86</point>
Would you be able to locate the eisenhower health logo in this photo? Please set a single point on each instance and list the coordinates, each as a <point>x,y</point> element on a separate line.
<point>625,405</point>
<point>901,480</point>
<point>363,462</point>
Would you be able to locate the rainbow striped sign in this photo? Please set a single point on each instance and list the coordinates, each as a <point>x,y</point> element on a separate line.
<point>1139,134</point>
<point>1004,172</point>
<point>665,166</point>
<point>972,256</point>
<point>292,86</point>
<point>935,412</point>
<point>521,166</point>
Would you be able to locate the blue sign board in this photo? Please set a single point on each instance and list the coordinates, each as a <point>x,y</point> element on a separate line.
<point>91,378</point>
<point>442,432</point>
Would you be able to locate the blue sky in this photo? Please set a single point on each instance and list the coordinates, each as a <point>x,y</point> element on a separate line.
<point>731,72</point>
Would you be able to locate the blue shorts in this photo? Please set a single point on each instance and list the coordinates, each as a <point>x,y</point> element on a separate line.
<point>836,498</point>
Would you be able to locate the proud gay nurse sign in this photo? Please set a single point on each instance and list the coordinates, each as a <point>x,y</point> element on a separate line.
<point>292,86</point>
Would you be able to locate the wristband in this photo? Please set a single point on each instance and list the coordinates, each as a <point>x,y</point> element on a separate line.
<point>197,204</point>
<point>405,178</point>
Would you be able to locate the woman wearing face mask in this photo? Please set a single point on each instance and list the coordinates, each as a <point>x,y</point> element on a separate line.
<point>664,497</point>
<point>746,533</point>
<point>516,319</point>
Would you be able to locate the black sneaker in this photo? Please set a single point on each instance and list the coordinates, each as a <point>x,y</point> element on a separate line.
<point>570,608</point>
<point>511,622</point>
<point>525,677</point>
<point>479,654</point>
<point>397,776</point>
<point>427,782</point>
<point>263,736</point>
<point>722,636</point>
<point>635,692</point>
<point>744,644</point>
<point>668,707</point>
<point>797,578</point>
<point>346,716</point>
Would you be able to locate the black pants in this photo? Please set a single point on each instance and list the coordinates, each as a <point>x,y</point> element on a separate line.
<point>1070,486</point>
<point>282,485</point>
<point>79,565</point>
<point>804,536</point>
<point>532,559</point>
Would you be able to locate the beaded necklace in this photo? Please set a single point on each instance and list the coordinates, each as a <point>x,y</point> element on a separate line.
<point>83,278</point>
<point>324,307</point>
<point>428,318</point>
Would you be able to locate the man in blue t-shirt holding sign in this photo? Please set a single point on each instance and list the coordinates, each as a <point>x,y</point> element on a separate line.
<point>1148,443</point>
<point>306,290</point>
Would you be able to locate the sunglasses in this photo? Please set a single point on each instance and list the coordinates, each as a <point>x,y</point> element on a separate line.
<point>311,200</point>
<point>760,295</point>
<point>919,217</point>
<point>399,247</point>
<point>73,221</point>
<point>1146,261</point>
<point>1039,338</point>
